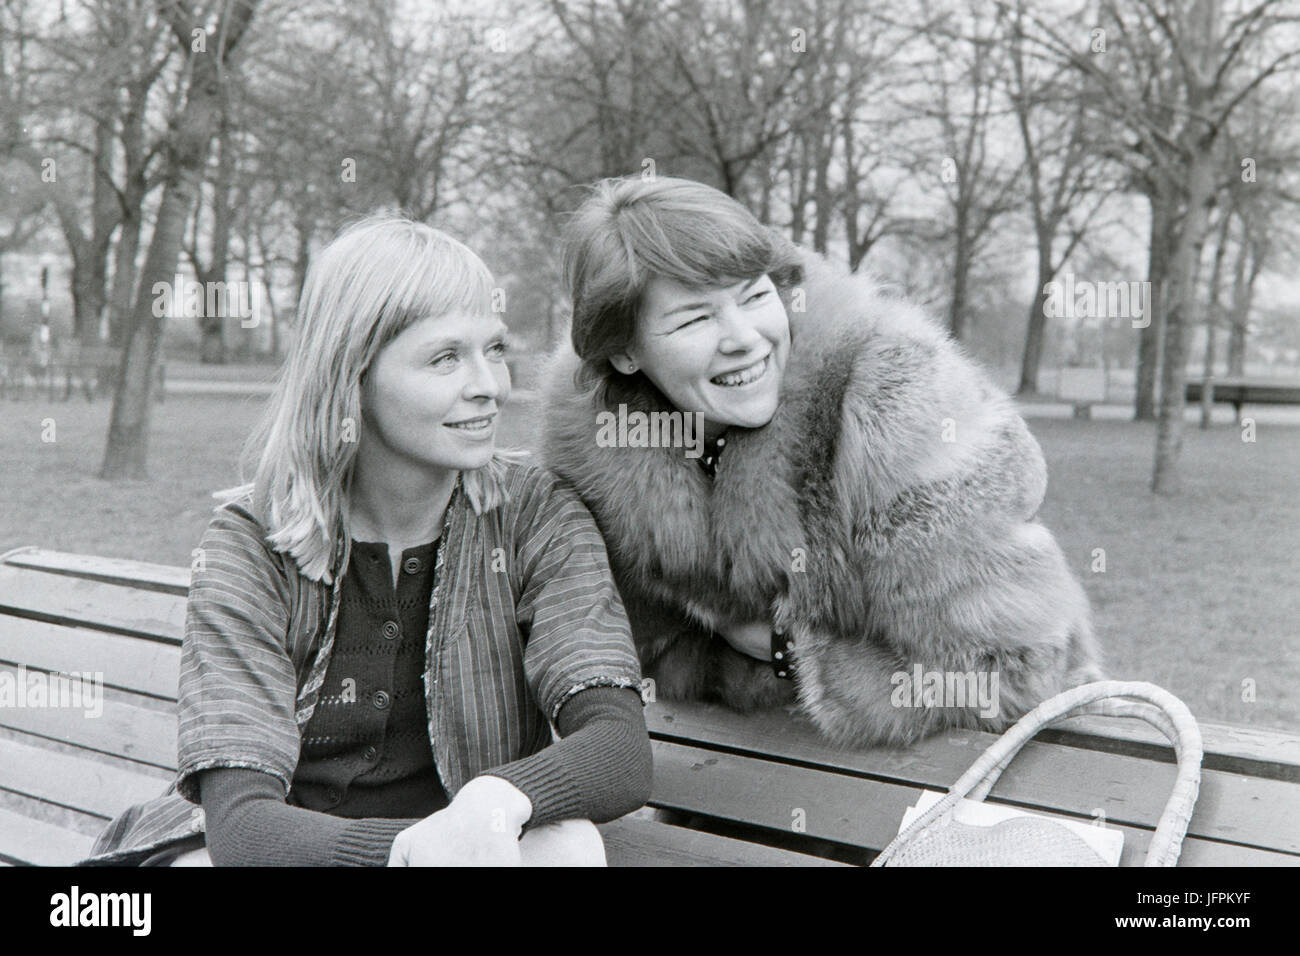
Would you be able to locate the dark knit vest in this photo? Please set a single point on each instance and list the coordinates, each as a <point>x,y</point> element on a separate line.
<point>365,751</point>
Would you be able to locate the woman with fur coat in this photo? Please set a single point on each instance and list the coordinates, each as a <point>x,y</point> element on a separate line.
<point>807,491</point>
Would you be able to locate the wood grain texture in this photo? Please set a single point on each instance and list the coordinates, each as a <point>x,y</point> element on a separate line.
<point>63,599</point>
<point>631,842</point>
<point>31,842</point>
<point>138,574</point>
<point>126,663</point>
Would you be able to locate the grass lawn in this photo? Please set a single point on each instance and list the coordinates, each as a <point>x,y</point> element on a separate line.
<point>1199,593</point>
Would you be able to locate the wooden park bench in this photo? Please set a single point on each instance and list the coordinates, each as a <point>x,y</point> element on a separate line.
<point>1241,391</point>
<point>730,789</point>
<point>90,369</point>
<point>96,369</point>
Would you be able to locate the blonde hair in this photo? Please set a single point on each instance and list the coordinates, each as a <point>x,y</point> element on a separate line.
<point>375,279</point>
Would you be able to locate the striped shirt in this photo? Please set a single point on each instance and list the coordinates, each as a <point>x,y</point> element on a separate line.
<point>524,615</point>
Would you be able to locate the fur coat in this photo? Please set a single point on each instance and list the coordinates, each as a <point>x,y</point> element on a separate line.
<point>884,519</point>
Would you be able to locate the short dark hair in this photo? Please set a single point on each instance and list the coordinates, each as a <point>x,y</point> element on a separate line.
<point>631,230</point>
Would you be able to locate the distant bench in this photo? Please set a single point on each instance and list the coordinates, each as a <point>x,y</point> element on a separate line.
<point>1225,391</point>
<point>1239,391</point>
<point>729,789</point>
<point>91,369</point>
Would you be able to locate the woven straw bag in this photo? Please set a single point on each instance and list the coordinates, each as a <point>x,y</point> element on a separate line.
<point>936,839</point>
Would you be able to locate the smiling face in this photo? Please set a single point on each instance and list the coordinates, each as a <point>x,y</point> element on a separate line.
<point>718,350</point>
<point>433,393</point>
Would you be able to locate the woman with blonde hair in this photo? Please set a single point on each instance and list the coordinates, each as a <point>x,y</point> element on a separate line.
<point>385,623</point>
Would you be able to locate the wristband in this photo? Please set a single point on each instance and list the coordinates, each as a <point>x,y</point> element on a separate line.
<point>782,653</point>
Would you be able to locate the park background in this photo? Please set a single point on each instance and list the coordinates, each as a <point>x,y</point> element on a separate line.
<point>970,154</point>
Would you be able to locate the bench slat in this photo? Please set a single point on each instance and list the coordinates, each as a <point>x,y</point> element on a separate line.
<point>633,842</point>
<point>1231,807</point>
<point>80,783</point>
<point>122,730</point>
<point>854,811</point>
<point>848,810</point>
<point>140,574</point>
<point>25,592</point>
<point>1247,393</point>
<point>127,663</point>
<point>1257,751</point>
<point>35,843</point>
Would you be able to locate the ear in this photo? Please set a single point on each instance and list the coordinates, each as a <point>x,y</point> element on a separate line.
<point>623,362</point>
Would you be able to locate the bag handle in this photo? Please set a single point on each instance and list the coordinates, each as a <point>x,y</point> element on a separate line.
<point>1145,701</point>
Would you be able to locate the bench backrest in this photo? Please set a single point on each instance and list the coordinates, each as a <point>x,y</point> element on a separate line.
<point>104,355</point>
<point>1230,391</point>
<point>65,771</point>
<point>766,777</point>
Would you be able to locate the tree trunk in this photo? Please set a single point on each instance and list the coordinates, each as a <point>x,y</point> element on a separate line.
<point>1033,353</point>
<point>798,166</point>
<point>126,454</point>
<point>90,280</point>
<point>1151,337</point>
<point>1243,294</point>
<point>212,328</point>
<point>1237,344</point>
<point>765,196</point>
<point>135,188</point>
<point>301,257</point>
<point>275,318</point>
<point>1181,315</point>
<point>1199,140</point>
<point>122,292</point>
<point>1211,322</point>
<point>822,193</point>
<point>960,277</point>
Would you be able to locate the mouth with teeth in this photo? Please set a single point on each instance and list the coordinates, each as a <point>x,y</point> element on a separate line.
<point>472,426</point>
<point>745,376</point>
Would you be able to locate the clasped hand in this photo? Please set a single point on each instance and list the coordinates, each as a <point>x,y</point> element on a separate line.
<point>480,827</point>
<point>753,639</point>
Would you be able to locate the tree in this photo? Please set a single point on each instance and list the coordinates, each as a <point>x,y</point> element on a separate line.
<point>82,123</point>
<point>961,95</point>
<point>1065,174</point>
<point>1219,54</point>
<point>209,53</point>
<point>212,272</point>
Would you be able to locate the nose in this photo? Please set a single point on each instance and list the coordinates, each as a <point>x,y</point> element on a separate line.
<point>739,334</point>
<point>485,380</point>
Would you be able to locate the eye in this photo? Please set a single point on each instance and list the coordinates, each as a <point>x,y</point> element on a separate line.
<point>498,349</point>
<point>690,322</point>
<point>442,360</point>
<point>758,296</point>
